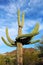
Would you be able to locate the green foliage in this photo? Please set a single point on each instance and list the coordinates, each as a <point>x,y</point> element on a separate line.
<point>7,60</point>
<point>29,58</point>
<point>40,48</point>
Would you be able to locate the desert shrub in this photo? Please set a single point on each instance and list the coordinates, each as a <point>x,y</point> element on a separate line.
<point>30,58</point>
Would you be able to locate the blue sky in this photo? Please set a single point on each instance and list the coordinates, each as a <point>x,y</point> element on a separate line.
<point>33,10</point>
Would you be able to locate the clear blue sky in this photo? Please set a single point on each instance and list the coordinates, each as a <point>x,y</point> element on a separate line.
<point>33,10</point>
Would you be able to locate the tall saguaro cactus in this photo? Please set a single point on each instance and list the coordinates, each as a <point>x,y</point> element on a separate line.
<point>19,44</point>
<point>21,39</point>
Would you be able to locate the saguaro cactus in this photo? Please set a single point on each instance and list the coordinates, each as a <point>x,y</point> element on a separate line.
<point>19,44</point>
<point>21,39</point>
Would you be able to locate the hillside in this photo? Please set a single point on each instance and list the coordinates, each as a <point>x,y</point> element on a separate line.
<point>31,56</point>
<point>24,50</point>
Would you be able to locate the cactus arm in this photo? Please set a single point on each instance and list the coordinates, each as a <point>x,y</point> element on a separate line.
<point>22,23</point>
<point>33,33</point>
<point>8,37</point>
<point>8,44</point>
<point>36,28</point>
<point>32,42</point>
<point>27,35</point>
<point>18,17</point>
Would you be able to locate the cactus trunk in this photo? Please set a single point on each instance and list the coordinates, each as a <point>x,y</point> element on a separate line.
<point>19,49</point>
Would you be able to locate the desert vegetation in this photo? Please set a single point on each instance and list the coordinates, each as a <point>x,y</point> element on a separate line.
<point>30,57</point>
